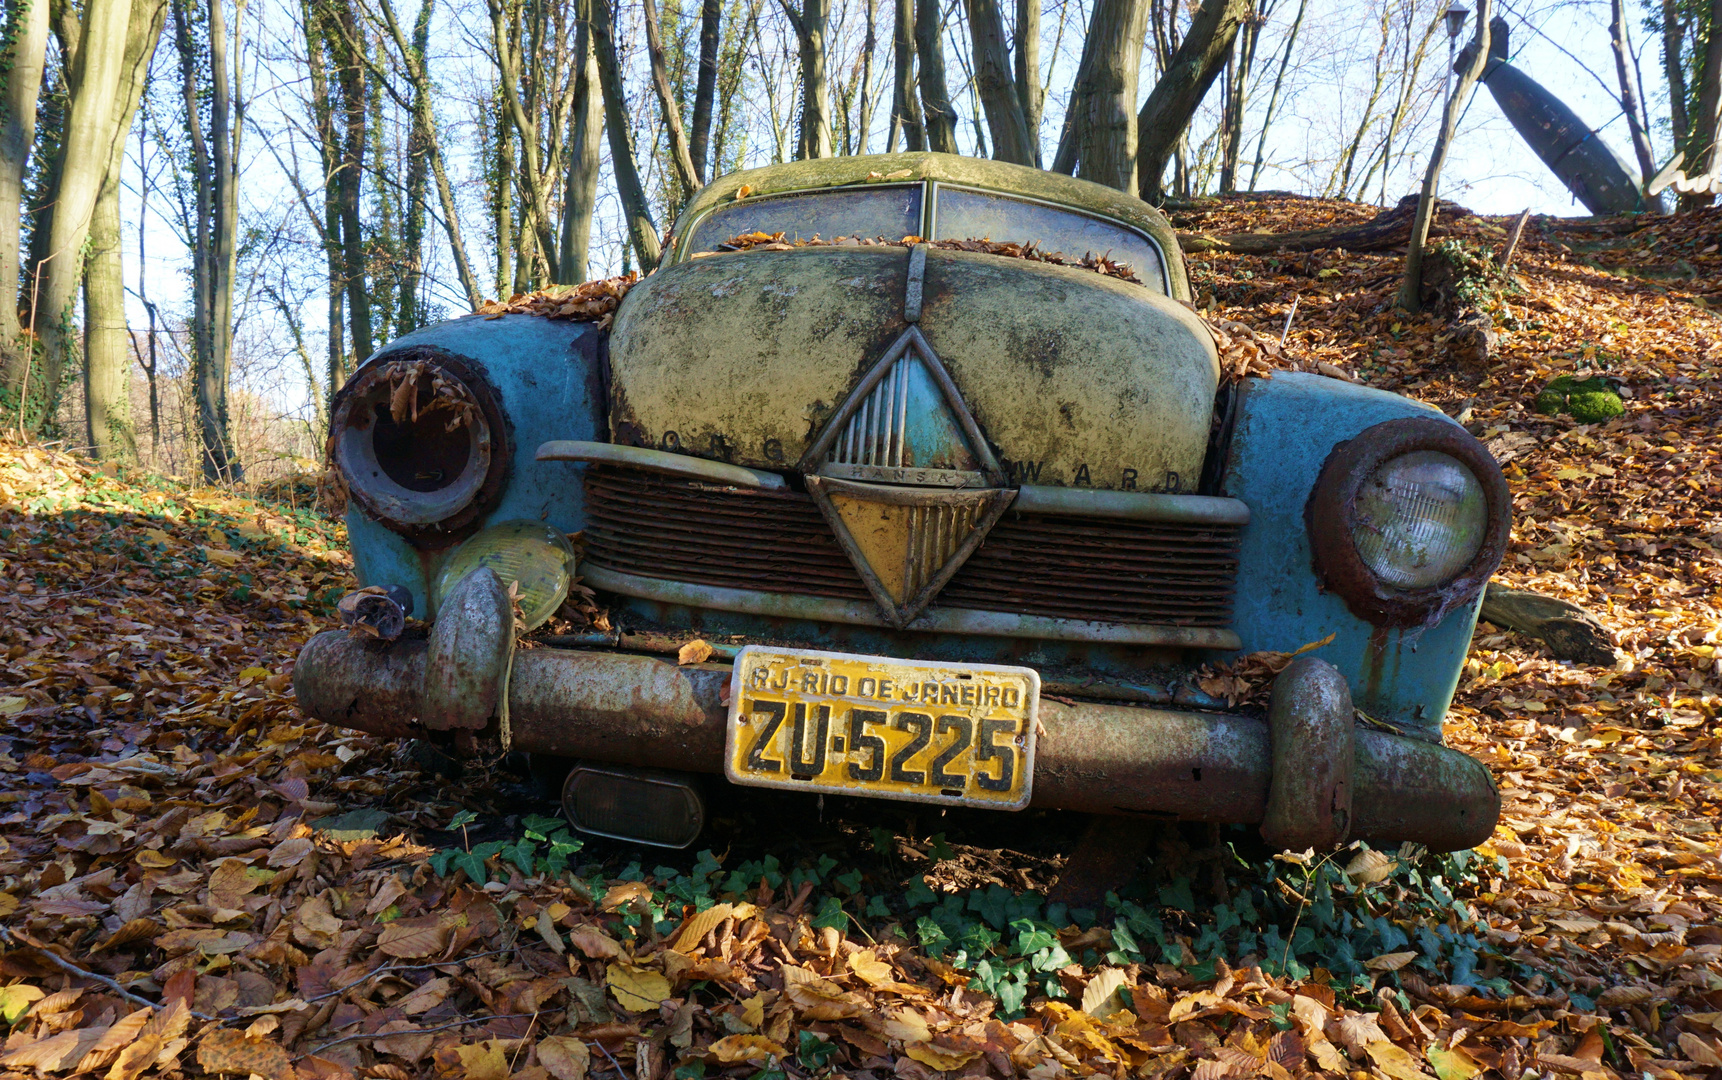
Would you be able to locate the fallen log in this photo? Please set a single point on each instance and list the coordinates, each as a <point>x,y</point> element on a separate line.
<point>1390,228</point>
<point>1569,631</point>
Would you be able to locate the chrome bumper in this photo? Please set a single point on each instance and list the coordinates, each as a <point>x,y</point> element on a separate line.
<point>1307,775</point>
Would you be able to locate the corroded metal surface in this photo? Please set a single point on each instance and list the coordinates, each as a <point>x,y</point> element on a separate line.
<point>1135,505</point>
<point>1135,573</point>
<point>1310,730</point>
<point>660,461</point>
<point>1101,758</point>
<point>423,442</point>
<point>744,357</point>
<point>470,647</point>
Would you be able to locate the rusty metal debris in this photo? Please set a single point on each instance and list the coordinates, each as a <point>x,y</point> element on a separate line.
<point>1310,728</point>
<point>377,611</point>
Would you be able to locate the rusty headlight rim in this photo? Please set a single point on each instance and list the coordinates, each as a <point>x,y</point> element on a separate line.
<point>1329,517</point>
<point>456,514</point>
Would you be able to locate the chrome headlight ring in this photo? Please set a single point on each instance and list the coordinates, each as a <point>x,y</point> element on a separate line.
<point>433,471</point>
<point>1405,467</point>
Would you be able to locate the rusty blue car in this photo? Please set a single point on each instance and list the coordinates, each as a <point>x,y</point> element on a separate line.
<point>939,495</point>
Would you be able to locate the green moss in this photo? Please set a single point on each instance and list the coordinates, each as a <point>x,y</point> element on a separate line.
<point>1589,402</point>
<point>1594,408</point>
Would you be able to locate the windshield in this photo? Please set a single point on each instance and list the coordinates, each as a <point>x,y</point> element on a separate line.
<point>891,212</point>
<point>985,215</point>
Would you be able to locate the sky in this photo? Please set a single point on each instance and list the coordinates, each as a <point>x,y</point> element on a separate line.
<point>1562,43</point>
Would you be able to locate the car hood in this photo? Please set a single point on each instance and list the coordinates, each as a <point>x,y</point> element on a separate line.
<point>1071,377</point>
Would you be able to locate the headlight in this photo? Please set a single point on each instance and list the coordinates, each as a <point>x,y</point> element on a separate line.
<point>530,554</point>
<point>421,442</point>
<point>1408,520</point>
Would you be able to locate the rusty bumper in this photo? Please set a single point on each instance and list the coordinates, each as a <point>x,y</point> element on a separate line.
<point>1305,774</point>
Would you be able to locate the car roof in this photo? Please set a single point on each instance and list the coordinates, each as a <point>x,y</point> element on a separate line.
<point>834,172</point>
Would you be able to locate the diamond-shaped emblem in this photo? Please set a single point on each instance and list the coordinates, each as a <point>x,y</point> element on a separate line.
<point>905,423</point>
<point>907,542</point>
<point>905,478</point>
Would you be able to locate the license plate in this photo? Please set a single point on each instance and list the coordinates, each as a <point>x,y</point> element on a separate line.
<point>952,734</point>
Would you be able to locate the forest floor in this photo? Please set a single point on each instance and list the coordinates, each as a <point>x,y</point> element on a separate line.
<point>195,880</point>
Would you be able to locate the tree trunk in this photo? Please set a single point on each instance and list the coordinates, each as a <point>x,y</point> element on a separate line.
<point>1623,71</point>
<point>350,73</point>
<point>1274,98</point>
<point>407,315</point>
<point>641,229</point>
<point>997,86</point>
<point>506,40</point>
<point>939,117</point>
<point>226,127</point>
<point>1411,285</point>
<point>1100,127</point>
<point>711,15</point>
<point>26,33</point>
<point>869,44</point>
<point>1175,97</point>
<point>1704,143</point>
<point>687,175</point>
<point>1236,99</point>
<point>1027,58</point>
<point>810,25</point>
<point>107,363</point>
<point>580,190</point>
<point>93,87</point>
<point>318,29</point>
<point>1674,70</point>
<point>905,105</point>
<point>422,97</point>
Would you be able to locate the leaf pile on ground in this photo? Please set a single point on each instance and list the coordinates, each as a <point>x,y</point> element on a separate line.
<point>194,880</point>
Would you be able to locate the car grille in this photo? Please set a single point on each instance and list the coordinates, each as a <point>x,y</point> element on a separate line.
<point>1107,570</point>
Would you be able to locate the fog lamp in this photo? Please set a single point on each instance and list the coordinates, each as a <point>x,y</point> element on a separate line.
<point>1420,519</point>
<point>645,806</point>
<point>529,554</point>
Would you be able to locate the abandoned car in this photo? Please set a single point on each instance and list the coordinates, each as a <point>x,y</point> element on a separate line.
<point>935,521</point>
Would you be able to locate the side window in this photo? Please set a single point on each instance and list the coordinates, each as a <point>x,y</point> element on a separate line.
<point>983,215</point>
<point>892,212</point>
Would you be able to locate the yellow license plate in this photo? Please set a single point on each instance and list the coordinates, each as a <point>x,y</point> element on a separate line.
<point>953,734</point>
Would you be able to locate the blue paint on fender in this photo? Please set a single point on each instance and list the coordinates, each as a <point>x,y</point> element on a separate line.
<point>1286,426</point>
<point>549,380</point>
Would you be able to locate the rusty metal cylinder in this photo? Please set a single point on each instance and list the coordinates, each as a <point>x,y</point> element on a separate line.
<point>1110,759</point>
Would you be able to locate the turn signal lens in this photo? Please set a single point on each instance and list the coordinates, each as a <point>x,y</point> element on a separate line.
<point>645,806</point>
<point>1420,520</point>
<point>531,554</point>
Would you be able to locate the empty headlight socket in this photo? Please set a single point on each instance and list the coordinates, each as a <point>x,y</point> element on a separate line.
<point>432,474</point>
<point>1330,516</point>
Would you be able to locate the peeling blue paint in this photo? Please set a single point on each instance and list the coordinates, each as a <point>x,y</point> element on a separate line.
<point>1286,427</point>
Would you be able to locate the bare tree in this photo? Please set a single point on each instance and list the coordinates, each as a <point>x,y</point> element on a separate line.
<point>1411,285</point>
<point>93,75</point>
<point>996,84</point>
<point>1274,97</point>
<point>215,156</point>
<point>938,116</point>
<point>905,105</point>
<point>642,231</point>
<point>1191,71</point>
<point>1704,141</point>
<point>1630,95</point>
<point>580,189</point>
<point>107,363</point>
<point>1099,141</point>
<point>687,173</point>
<point>1026,53</point>
<point>711,16</point>
<point>26,38</point>
<point>810,25</point>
